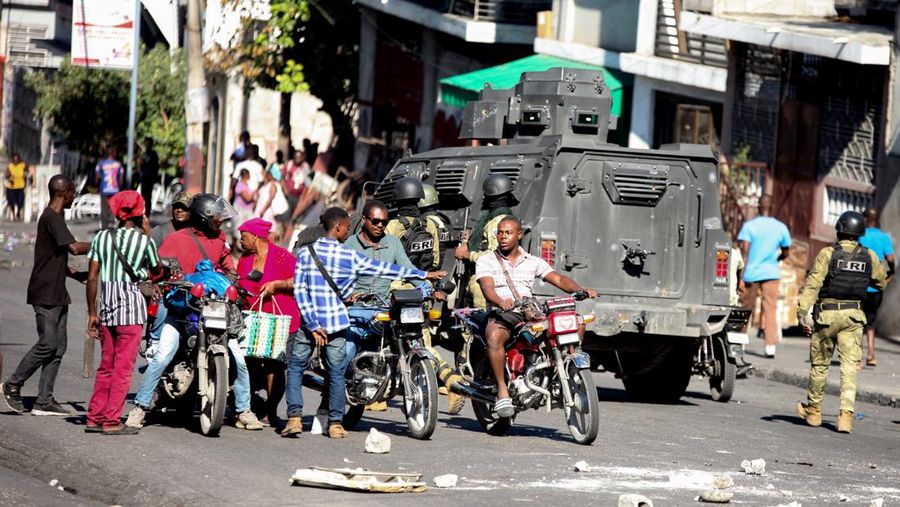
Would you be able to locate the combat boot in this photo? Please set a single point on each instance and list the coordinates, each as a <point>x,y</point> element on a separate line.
<point>812,415</point>
<point>845,422</point>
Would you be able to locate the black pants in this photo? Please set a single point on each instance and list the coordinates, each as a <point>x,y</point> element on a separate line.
<point>107,219</point>
<point>147,194</point>
<point>46,353</point>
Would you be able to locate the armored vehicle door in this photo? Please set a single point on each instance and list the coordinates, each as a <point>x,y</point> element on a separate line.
<point>634,233</point>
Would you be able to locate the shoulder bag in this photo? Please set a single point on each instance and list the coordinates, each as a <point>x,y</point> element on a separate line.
<point>146,287</point>
<point>530,309</point>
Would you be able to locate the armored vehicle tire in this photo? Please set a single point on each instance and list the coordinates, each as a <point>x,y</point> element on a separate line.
<point>484,412</point>
<point>721,382</point>
<point>665,382</point>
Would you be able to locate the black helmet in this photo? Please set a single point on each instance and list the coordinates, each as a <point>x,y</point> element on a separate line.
<point>206,209</point>
<point>497,184</point>
<point>408,188</point>
<point>851,223</point>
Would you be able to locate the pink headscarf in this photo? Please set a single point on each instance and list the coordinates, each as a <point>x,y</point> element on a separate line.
<point>257,227</point>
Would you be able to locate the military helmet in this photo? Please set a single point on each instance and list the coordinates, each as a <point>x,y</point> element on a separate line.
<point>851,223</point>
<point>431,197</point>
<point>408,188</point>
<point>496,185</point>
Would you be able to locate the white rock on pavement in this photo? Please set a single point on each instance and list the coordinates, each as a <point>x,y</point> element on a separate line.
<point>723,482</point>
<point>878,502</point>
<point>792,504</point>
<point>582,466</point>
<point>634,500</point>
<point>377,442</point>
<point>716,496</point>
<point>446,481</point>
<point>754,467</point>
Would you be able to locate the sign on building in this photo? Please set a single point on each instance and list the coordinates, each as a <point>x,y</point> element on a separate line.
<point>102,33</point>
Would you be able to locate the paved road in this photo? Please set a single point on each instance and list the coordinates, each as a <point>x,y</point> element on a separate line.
<point>668,453</point>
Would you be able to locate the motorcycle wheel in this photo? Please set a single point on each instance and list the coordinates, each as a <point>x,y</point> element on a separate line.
<point>484,412</point>
<point>721,384</point>
<point>420,406</point>
<point>212,405</point>
<point>352,416</point>
<point>583,418</point>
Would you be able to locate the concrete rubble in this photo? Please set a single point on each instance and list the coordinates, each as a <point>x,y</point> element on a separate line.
<point>754,467</point>
<point>377,442</point>
<point>634,500</point>
<point>446,481</point>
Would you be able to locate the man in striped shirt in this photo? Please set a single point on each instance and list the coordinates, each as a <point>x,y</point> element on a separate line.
<point>119,258</point>
<point>325,317</point>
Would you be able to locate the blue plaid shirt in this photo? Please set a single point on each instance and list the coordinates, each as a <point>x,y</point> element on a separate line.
<point>319,305</point>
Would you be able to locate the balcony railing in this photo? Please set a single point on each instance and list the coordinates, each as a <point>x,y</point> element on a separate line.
<point>679,45</point>
<point>516,12</point>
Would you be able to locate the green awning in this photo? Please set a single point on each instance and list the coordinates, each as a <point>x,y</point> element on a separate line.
<point>460,90</point>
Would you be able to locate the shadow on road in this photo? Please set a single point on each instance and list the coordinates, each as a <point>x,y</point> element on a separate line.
<point>795,421</point>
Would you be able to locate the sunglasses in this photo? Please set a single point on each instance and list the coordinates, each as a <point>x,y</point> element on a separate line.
<point>376,221</point>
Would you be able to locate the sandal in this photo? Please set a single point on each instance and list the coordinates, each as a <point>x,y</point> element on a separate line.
<point>871,362</point>
<point>504,407</point>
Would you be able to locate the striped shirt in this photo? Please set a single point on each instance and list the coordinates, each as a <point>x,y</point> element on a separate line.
<point>121,303</point>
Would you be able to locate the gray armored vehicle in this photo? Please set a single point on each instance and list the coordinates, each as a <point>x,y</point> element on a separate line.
<point>643,227</point>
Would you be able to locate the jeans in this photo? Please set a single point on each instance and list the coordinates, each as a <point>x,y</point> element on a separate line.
<point>156,327</point>
<point>118,347</point>
<point>335,355</point>
<point>165,352</point>
<point>362,326</point>
<point>46,353</point>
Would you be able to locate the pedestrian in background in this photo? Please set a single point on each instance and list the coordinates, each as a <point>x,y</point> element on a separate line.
<point>267,194</point>
<point>830,309</point>
<point>881,245</point>
<point>149,173</point>
<point>765,242</point>
<point>297,176</point>
<point>119,258</point>
<point>15,187</point>
<point>109,175</point>
<point>47,294</point>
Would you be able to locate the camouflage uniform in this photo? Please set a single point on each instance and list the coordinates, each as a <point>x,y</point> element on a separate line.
<point>841,327</point>
<point>489,243</point>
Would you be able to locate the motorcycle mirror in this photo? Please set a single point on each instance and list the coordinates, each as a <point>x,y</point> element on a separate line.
<point>255,275</point>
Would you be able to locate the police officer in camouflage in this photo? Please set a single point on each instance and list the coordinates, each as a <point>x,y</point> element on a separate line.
<point>831,310</point>
<point>424,251</point>
<point>495,206</point>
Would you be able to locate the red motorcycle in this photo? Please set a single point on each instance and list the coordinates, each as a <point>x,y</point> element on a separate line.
<point>545,366</point>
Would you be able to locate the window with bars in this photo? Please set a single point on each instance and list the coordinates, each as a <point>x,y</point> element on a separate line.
<point>23,50</point>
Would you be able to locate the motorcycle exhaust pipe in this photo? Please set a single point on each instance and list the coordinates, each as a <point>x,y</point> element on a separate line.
<point>470,392</point>
<point>534,387</point>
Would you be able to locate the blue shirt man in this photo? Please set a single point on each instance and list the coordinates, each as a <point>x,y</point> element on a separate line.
<point>877,241</point>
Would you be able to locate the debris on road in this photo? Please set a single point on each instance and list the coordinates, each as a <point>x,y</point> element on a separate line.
<point>358,479</point>
<point>716,496</point>
<point>754,467</point>
<point>723,482</point>
<point>377,442</point>
<point>792,504</point>
<point>634,500</point>
<point>878,502</point>
<point>582,466</point>
<point>446,481</point>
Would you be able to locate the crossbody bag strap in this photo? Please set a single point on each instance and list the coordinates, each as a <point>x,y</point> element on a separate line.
<point>325,275</point>
<point>197,242</point>
<point>121,256</point>
<point>509,282</point>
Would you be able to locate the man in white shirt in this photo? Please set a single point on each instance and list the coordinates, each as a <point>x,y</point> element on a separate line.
<point>510,261</point>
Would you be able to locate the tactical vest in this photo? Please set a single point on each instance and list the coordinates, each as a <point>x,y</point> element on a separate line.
<point>848,274</point>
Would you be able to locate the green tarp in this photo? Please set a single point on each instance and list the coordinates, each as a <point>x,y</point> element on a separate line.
<point>459,90</point>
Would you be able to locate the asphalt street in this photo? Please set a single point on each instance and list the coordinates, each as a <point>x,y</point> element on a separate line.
<point>669,453</point>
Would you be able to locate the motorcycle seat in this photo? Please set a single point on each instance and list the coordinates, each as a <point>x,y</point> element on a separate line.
<point>407,297</point>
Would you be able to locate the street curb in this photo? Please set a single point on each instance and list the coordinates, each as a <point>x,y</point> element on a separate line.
<point>793,378</point>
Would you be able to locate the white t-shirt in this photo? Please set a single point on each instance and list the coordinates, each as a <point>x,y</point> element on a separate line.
<point>256,170</point>
<point>523,273</point>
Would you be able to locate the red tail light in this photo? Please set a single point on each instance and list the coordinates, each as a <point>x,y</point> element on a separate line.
<point>722,257</point>
<point>152,308</point>
<point>563,322</point>
<point>231,293</point>
<point>198,290</point>
<point>548,249</point>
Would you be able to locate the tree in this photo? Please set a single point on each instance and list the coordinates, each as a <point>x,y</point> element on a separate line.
<point>305,45</point>
<point>88,108</point>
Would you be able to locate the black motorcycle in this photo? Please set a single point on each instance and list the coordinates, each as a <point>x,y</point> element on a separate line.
<point>545,367</point>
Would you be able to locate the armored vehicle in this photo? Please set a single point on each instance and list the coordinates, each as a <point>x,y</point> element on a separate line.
<point>643,227</point>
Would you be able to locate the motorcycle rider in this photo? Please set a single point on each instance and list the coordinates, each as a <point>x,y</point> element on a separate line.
<point>181,218</point>
<point>204,239</point>
<point>495,206</point>
<point>510,261</point>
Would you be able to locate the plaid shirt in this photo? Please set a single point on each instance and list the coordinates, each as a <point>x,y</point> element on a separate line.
<point>319,305</point>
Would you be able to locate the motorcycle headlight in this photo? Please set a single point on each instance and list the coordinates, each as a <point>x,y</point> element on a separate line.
<point>412,315</point>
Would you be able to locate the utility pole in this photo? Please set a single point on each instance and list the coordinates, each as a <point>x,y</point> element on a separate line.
<point>196,100</point>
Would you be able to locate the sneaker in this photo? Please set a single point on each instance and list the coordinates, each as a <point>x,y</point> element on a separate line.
<point>135,418</point>
<point>52,408</point>
<point>770,351</point>
<point>336,430</point>
<point>504,407</point>
<point>13,398</point>
<point>248,421</point>
<point>320,421</point>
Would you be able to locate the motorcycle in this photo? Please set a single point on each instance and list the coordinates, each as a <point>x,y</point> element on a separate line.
<point>199,372</point>
<point>545,366</point>
<point>396,362</point>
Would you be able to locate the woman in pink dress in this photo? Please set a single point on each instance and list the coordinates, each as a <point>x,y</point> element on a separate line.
<point>276,284</point>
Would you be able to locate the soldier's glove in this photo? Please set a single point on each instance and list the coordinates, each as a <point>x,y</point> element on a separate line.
<point>806,320</point>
